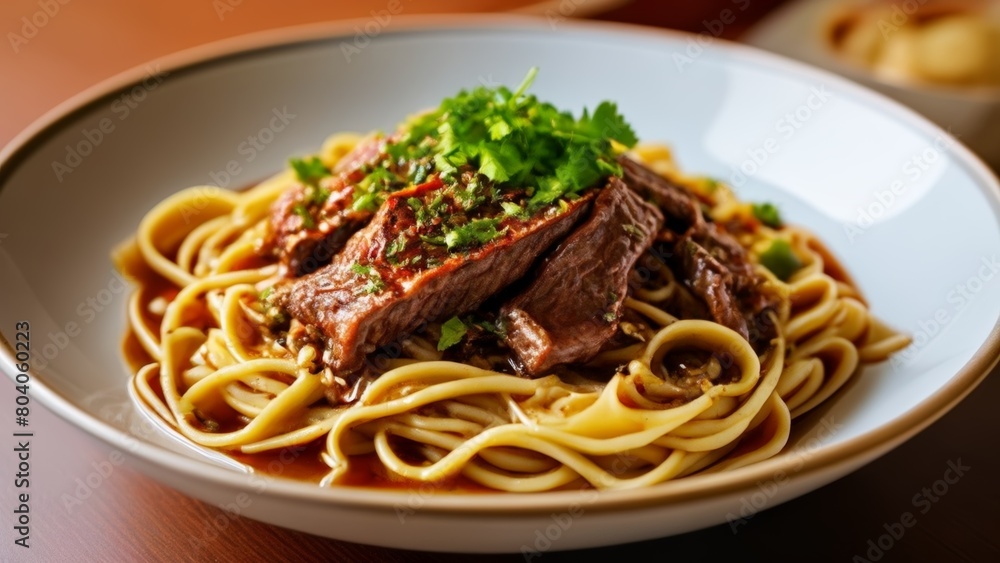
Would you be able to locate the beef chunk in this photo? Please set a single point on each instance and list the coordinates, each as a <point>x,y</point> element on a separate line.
<point>681,209</point>
<point>392,277</point>
<point>573,306</point>
<point>711,263</point>
<point>306,231</point>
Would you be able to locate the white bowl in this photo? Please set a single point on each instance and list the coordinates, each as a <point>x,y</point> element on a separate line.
<point>719,105</point>
<point>801,31</point>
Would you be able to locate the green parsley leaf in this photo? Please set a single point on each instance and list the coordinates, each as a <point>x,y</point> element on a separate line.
<point>768,214</point>
<point>367,202</point>
<point>309,171</point>
<point>499,162</point>
<point>452,332</point>
<point>608,123</point>
<point>515,140</point>
<point>476,232</point>
<point>780,259</point>
<point>498,329</point>
<point>307,218</point>
<point>374,279</point>
<point>513,210</point>
<point>396,246</point>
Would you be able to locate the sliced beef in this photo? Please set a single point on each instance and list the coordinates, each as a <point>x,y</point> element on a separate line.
<point>305,230</point>
<point>573,306</point>
<point>713,282</point>
<point>391,279</point>
<point>681,209</point>
<point>711,263</point>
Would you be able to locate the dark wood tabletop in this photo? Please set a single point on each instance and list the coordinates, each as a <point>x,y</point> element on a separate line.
<point>125,516</point>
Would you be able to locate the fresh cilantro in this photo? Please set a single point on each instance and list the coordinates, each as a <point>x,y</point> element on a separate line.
<point>498,329</point>
<point>513,210</point>
<point>768,214</point>
<point>397,245</point>
<point>780,259</point>
<point>608,123</point>
<point>366,202</point>
<point>476,232</point>
<point>374,283</point>
<point>513,139</point>
<point>418,173</point>
<point>307,218</point>
<point>436,240</point>
<point>452,332</point>
<point>309,171</point>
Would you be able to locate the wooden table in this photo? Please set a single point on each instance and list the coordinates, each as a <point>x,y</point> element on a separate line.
<point>127,516</point>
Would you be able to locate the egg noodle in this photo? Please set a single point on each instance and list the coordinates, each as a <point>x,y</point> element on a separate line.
<point>222,382</point>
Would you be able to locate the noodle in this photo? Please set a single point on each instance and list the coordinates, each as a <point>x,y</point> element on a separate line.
<point>221,381</point>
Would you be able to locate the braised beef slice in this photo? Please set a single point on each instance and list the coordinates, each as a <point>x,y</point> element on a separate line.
<point>681,210</point>
<point>357,318</point>
<point>305,243</point>
<point>573,306</point>
<point>711,263</point>
<point>713,282</point>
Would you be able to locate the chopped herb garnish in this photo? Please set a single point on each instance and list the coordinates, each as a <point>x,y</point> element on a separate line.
<point>513,210</point>
<point>374,279</point>
<point>307,218</point>
<point>436,240</point>
<point>309,171</point>
<point>497,329</point>
<point>609,316</point>
<point>397,245</point>
<point>473,233</point>
<point>366,202</point>
<point>419,173</point>
<point>452,332</point>
<point>768,214</point>
<point>780,259</point>
<point>513,139</point>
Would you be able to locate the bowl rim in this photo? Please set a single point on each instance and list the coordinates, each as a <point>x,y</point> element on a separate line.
<point>856,450</point>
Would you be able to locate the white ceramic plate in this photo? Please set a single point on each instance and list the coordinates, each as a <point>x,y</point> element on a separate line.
<point>825,150</point>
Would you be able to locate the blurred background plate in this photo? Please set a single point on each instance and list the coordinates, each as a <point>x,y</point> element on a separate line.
<point>939,57</point>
